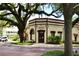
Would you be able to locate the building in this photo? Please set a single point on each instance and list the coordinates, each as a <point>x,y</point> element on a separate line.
<point>39,29</point>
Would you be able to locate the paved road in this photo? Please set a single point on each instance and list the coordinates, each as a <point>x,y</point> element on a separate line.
<point>13,50</point>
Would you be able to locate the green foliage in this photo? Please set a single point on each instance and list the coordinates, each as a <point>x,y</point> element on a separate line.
<point>25,43</point>
<point>54,39</point>
<point>31,41</point>
<point>15,38</point>
<point>3,23</point>
<point>57,53</point>
<point>54,53</point>
<point>19,43</point>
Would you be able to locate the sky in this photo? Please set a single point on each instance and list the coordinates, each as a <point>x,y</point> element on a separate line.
<point>48,10</point>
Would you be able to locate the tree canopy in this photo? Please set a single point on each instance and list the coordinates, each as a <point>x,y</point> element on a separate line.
<point>22,12</point>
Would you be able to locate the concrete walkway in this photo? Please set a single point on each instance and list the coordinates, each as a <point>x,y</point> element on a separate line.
<point>45,45</point>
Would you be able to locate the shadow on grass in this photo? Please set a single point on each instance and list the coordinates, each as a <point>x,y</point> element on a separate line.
<point>53,53</point>
<point>56,53</point>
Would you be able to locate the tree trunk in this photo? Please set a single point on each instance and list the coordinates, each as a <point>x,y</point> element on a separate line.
<point>22,37</point>
<point>67,10</point>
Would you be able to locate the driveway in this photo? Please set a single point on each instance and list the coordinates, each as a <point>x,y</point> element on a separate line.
<point>8,49</point>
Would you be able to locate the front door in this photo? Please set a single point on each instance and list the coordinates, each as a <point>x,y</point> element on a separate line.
<point>41,36</point>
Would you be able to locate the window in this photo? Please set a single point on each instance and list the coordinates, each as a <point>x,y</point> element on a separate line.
<point>75,37</point>
<point>31,33</point>
<point>60,34</point>
<point>52,33</point>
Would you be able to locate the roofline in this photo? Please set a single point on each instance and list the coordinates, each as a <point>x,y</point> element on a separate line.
<point>46,18</point>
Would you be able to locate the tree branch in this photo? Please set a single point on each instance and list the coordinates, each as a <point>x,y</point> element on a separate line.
<point>19,9</point>
<point>13,12</point>
<point>9,20</point>
<point>75,21</point>
<point>43,12</point>
<point>6,14</point>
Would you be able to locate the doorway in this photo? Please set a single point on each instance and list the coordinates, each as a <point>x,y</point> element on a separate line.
<point>41,36</point>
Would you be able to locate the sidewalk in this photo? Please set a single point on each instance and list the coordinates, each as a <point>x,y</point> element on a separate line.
<point>34,45</point>
<point>38,45</point>
<point>45,45</point>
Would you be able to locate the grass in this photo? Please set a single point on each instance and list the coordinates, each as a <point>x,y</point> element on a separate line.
<point>23,43</point>
<point>56,53</point>
<point>18,43</point>
<point>15,40</point>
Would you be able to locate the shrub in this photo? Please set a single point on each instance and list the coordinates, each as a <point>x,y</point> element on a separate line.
<point>54,39</point>
<point>15,38</point>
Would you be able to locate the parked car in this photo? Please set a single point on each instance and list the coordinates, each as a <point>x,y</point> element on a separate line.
<point>3,39</point>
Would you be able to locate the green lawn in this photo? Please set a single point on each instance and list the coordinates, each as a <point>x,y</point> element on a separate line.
<point>18,43</point>
<point>53,53</point>
<point>56,53</point>
<point>23,43</point>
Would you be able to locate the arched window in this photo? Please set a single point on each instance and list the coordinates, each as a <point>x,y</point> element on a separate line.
<point>31,33</point>
<point>75,37</point>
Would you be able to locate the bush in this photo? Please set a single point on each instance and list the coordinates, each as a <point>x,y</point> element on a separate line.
<point>54,39</point>
<point>15,38</point>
